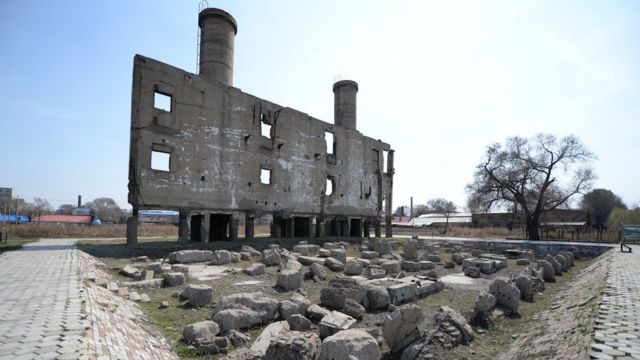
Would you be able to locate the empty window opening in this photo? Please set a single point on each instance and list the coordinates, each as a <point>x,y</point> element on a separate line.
<point>160,160</point>
<point>265,128</point>
<point>162,101</point>
<point>329,187</point>
<point>265,176</point>
<point>330,139</point>
<point>385,160</point>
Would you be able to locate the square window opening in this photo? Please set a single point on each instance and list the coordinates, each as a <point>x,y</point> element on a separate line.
<point>330,140</point>
<point>330,186</point>
<point>162,101</point>
<point>265,176</point>
<point>265,129</point>
<point>160,160</point>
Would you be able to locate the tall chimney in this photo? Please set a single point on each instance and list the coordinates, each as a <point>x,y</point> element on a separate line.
<point>217,34</point>
<point>79,200</point>
<point>345,103</point>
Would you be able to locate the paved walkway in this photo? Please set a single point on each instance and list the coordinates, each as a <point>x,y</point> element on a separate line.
<point>617,333</point>
<point>41,299</point>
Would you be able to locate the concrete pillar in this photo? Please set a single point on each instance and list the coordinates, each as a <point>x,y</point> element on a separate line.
<point>233,227</point>
<point>367,228</point>
<point>275,233</point>
<point>389,202</point>
<point>249,226</point>
<point>344,106</point>
<point>335,227</point>
<point>217,36</point>
<point>206,226</point>
<point>347,228</point>
<point>310,227</point>
<point>183,226</point>
<point>132,228</point>
<point>377,227</point>
<point>319,233</point>
<point>289,231</point>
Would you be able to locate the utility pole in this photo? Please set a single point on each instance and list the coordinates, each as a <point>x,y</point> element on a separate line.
<point>17,198</point>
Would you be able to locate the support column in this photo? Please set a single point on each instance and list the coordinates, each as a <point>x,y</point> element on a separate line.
<point>290,227</point>
<point>233,227</point>
<point>377,227</point>
<point>205,226</point>
<point>367,228</point>
<point>335,226</point>
<point>183,226</point>
<point>389,202</point>
<point>319,233</point>
<point>132,228</point>
<point>275,233</point>
<point>347,228</point>
<point>249,226</point>
<point>310,227</point>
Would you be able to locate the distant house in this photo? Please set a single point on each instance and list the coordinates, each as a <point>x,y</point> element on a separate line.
<point>426,220</point>
<point>401,221</point>
<point>62,219</point>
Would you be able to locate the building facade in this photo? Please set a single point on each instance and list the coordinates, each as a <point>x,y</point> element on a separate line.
<point>216,154</point>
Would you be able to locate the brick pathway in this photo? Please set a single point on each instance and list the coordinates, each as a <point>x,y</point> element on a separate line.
<point>47,311</point>
<point>617,333</point>
<point>41,299</point>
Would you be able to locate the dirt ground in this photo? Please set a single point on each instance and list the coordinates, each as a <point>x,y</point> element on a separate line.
<point>489,343</point>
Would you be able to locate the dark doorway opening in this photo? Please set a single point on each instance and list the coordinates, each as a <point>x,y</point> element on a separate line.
<point>219,227</point>
<point>196,227</point>
<point>356,228</point>
<point>301,226</point>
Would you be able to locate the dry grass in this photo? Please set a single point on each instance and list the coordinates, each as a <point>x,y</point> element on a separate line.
<point>36,231</point>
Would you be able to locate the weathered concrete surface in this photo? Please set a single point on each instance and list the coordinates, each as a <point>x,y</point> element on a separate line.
<point>220,140</point>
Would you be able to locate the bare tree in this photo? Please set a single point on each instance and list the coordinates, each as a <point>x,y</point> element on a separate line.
<point>539,174</point>
<point>106,209</point>
<point>65,209</point>
<point>442,206</point>
<point>42,206</point>
<point>599,203</point>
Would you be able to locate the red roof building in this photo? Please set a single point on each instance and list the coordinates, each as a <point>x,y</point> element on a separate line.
<point>62,219</point>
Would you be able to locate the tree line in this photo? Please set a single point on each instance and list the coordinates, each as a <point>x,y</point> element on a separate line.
<point>104,208</point>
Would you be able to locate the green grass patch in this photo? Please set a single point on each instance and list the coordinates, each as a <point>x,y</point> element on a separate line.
<point>12,245</point>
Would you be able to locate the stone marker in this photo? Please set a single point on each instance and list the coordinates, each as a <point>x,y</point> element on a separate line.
<point>255,269</point>
<point>298,322</point>
<point>334,322</point>
<point>334,264</point>
<point>472,272</point>
<point>201,331</point>
<point>548,272</point>
<point>318,270</point>
<point>270,333</point>
<point>198,294</point>
<point>271,257</point>
<point>448,314</point>
<point>221,257</point>
<point>402,326</point>
<point>190,256</point>
<point>506,293</point>
<point>173,279</point>
<point>353,267</point>
<point>293,345</point>
<point>350,344</point>
<point>290,275</point>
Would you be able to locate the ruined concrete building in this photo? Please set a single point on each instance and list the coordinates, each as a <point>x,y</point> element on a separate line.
<point>217,154</point>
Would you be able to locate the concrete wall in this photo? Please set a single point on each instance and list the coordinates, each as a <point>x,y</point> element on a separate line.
<point>213,135</point>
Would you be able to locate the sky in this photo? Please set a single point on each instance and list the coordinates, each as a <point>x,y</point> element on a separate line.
<point>438,80</point>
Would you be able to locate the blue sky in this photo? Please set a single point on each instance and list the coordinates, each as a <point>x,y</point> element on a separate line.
<point>439,81</point>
